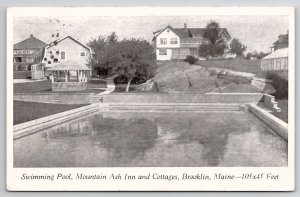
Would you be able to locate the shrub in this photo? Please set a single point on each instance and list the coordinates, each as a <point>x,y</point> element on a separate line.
<point>29,66</point>
<point>281,85</point>
<point>19,67</point>
<point>190,59</point>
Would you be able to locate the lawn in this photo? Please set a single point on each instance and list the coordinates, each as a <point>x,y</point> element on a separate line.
<point>93,86</point>
<point>32,87</point>
<point>26,111</point>
<point>24,74</point>
<point>237,64</point>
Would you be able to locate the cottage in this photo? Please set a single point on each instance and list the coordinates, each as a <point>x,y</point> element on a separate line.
<point>25,51</point>
<point>177,43</point>
<point>277,60</point>
<point>61,50</point>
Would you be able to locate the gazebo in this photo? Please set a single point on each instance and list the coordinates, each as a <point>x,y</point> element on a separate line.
<point>69,76</point>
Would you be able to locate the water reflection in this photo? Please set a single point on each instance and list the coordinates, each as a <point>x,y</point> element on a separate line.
<point>154,139</point>
<point>124,139</point>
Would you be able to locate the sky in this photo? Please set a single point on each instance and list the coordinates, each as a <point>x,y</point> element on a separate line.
<point>256,32</point>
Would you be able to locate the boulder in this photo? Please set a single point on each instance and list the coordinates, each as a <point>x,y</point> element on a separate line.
<point>263,85</point>
<point>175,82</point>
<point>149,85</point>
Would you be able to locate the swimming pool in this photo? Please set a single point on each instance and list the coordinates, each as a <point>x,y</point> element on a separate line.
<point>154,139</point>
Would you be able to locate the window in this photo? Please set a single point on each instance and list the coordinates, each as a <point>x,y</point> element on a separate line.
<point>162,52</point>
<point>82,53</point>
<point>175,51</point>
<point>63,55</point>
<point>173,41</point>
<point>184,52</point>
<point>163,41</point>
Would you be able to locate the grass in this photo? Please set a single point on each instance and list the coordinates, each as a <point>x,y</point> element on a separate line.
<point>237,64</point>
<point>45,86</point>
<point>32,87</point>
<point>25,74</point>
<point>26,111</point>
<point>96,83</point>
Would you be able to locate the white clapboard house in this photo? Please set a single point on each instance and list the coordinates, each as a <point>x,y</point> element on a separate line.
<point>177,43</point>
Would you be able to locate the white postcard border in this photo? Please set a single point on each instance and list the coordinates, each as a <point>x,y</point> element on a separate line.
<point>287,174</point>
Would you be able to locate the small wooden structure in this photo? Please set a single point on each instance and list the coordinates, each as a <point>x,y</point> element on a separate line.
<point>69,76</point>
<point>38,71</point>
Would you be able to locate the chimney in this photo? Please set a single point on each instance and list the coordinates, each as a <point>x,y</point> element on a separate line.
<point>31,35</point>
<point>185,26</point>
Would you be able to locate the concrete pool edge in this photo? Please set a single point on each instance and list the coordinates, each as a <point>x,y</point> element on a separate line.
<point>273,122</point>
<point>33,126</point>
<point>279,126</point>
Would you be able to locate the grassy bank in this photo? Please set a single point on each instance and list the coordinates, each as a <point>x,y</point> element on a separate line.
<point>26,111</point>
<point>25,74</point>
<point>241,65</point>
<point>32,87</point>
<point>93,86</point>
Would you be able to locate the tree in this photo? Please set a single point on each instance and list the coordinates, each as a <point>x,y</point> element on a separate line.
<point>131,58</point>
<point>237,47</point>
<point>214,44</point>
<point>258,55</point>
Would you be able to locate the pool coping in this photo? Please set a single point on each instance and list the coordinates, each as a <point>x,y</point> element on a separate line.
<point>33,126</point>
<point>276,124</point>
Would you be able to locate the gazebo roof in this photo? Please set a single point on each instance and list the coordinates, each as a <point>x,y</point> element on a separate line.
<point>69,65</point>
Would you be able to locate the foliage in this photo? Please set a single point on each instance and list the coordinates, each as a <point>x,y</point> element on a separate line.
<point>190,59</point>
<point>131,58</point>
<point>255,54</point>
<point>237,47</point>
<point>281,85</point>
<point>215,44</point>
<point>19,67</point>
<point>29,66</point>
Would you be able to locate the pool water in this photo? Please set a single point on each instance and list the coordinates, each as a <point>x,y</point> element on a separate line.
<point>154,139</point>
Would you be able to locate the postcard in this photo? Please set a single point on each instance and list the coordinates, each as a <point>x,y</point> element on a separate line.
<point>150,99</point>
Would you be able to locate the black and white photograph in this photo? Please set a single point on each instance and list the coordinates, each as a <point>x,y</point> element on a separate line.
<point>151,88</point>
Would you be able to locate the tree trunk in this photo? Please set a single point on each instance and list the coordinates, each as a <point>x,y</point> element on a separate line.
<point>128,84</point>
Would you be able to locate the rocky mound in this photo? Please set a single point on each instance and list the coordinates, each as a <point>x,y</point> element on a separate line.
<point>197,79</point>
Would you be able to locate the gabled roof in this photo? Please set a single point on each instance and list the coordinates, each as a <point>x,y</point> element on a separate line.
<point>162,30</point>
<point>69,65</point>
<point>59,40</point>
<point>30,43</point>
<point>185,33</point>
<point>282,39</point>
<point>190,32</point>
